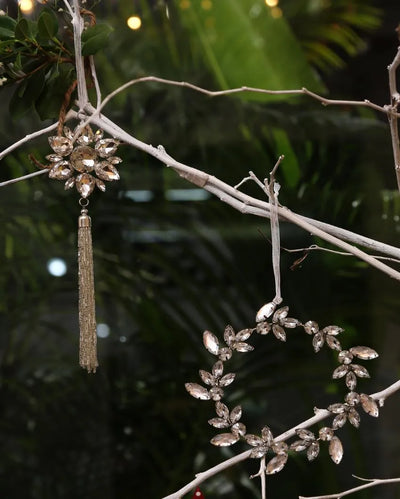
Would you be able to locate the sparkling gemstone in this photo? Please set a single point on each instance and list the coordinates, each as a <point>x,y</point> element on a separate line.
<point>69,183</point>
<point>61,145</point>
<point>360,371</point>
<point>211,342</point>
<point>299,445</point>
<point>114,160</point>
<point>305,434</point>
<point>336,450</point>
<point>369,405</point>
<point>61,171</point>
<point>311,327</point>
<point>263,327</point>
<point>317,341</point>
<point>352,398</point>
<point>265,312</point>
<point>240,346</point>
<point>86,137</point>
<point>258,452</point>
<point>339,421</point>
<point>225,439</point>
<point>100,184</point>
<point>236,414</point>
<point>227,379</point>
<point>326,433</point>
<point>85,184</point>
<point>98,135</point>
<point>106,147</point>
<point>54,158</point>
<point>197,391</point>
<point>290,322</point>
<point>106,171</point>
<point>218,369</point>
<point>68,133</point>
<point>313,451</point>
<point>281,314</point>
<point>340,371</point>
<point>345,357</point>
<point>279,447</point>
<point>219,423</point>
<point>229,335</point>
<point>337,408</point>
<point>333,342</point>
<point>351,380</point>
<point>222,410</point>
<point>254,440</point>
<point>244,334</point>
<point>207,378</point>
<point>276,464</point>
<point>225,353</point>
<point>332,330</point>
<point>83,159</point>
<point>279,332</point>
<point>353,417</point>
<point>364,353</point>
<point>266,435</point>
<point>238,429</point>
<point>216,393</point>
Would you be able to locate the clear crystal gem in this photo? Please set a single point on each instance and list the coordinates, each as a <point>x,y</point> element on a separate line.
<point>351,380</point>
<point>339,421</point>
<point>219,423</point>
<point>265,312</point>
<point>299,445</point>
<point>240,346</point>
<point>216,393</point>
<point>218,369</point>
<point>340,371</point>
<point>86,136</point>
<point>332,330</point>
<point>197,391</point>
<point>352,398</point>
<point>54,158</point>
<point>238,429</point>
<point>279,447</point>
<point>100,184</point>
<point>266,435</point>
<point>326,433</point>
<point>337,408</point>
<point>336,450</point>
<point>61,171</point>
<point>305,434</point>
<point>98,135</point>
<point>69,183</point>
<point>280,314</point>
<point>114,160</point>
<point>83,159</point>
<point>225,353</point>
<point>222,410</point>
<point>311,327</point>
<point>317,341</point>
<point>227,379</point>
<point>353,417</point>
<point>263,327</point>
<point>85,184</point>
<point>258,452</point>
<point>236,414</point>
<point>333,342</point>
<point>68,133</point>
<point>369,405</point>
<point>106,171</point>
<point>364,353</point>
<point>360,371</point>
<point>224,439</point>
<point>313,451</point>
<point>229,335</point>
<point>345,357</point>
<point>206,377</point>
<point>61,145</point>
<point>244,334</point>
<point>276,464</point>
<point>290,322</point>
<point>211,342</point>
<point>254,440</point>
<point>279,332</point>
<point>106,147</point>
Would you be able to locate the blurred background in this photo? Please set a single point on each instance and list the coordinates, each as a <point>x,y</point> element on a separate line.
<point>171,260</point>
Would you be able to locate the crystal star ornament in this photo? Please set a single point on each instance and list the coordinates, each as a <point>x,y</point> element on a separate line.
<point>84,159</point>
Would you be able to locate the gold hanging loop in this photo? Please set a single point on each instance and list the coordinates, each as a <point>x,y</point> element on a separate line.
<point>87,308</point>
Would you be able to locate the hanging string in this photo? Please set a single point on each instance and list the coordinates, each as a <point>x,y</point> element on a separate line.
<point>273,192</point>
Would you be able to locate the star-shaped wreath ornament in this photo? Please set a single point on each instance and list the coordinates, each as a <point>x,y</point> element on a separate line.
<point>79,156</point>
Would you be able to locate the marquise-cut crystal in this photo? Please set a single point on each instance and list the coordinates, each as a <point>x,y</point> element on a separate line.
<point>219,423</point>
<point>54,158</point>
<point>244,334</point>
<point>68,133</point>
<point>364,353</point>
<point>229,335</point>
<point>352,398</point>
<point>265,312</point>
<point>218,369</point>
<point>280,447</point>
<point>211,342</point>
<point>360,371</point>
<point>98,135</point>
<point>339,421</point>
<point>60,171</point>
<point>340,371</point>
<point>106,147</point>
<point>83,159</point>
<point>263,327</point>
<point>299,445</point>
<point>353,417</point>
<point>279,332</point>
<point>317,341</point>
<point>225,353</point>
<point>266,435</point>
<point>240,346</point>
<point>254,440</point>
<point>313,451</point>
<point>369,405</point>
<point>227,379</point>
<point>106,171</point>
<point>207,377</point>
<point>197,391</point>
<point>216,393</point>
<point>222,410</point>
<point>290,322</point>
<point>69,183</point>
<point>337,408</point>
<point>311,327</point>
<point>85,184</point>
<point>100,184</point>
<point>326,433</point>
<point>61,145</point>
<point>332,330</point>
<point>345,357</point>
<point>336,450</point>
<point>333,342</point>
<point>258,452</point>
<point>351,380</point>
<point>115,160</point>
<point>236,414</point>
<point>280,314</point>
<point>86,137</point>
<point>239,429</point>
<point>276,464</point>
<point>305,434</point>
<point>224,439</point>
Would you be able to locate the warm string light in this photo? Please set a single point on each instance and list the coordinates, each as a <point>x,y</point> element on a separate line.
<point>26,6</point>
<point>134,22</point>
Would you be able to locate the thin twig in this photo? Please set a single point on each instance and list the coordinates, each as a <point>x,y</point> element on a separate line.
<point>77,23</point>
<point>320,415</point>
<point>261,474</point>
<point>24,177</point>
<point>371,483</point>
<point>393,115</point>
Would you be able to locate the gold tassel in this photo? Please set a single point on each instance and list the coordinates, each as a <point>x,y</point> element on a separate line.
<point>87,309</point>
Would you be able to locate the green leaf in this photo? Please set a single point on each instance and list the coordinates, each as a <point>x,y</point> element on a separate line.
<point>244,45</point>
<point>7,26</point>
<point>22,30</point>
<point>95,38</point>
<point>51,98</point>
<point>47,24</point>
<point>20,102</point>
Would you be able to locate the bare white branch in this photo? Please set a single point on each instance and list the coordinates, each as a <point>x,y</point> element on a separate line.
<point>24,177</point>
<point>393,115</point>
<point>320,415</point>
<point>371,483</point>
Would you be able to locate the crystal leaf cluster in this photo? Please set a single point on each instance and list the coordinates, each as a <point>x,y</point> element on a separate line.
<point>84,159</point>
<point>268,319</point>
